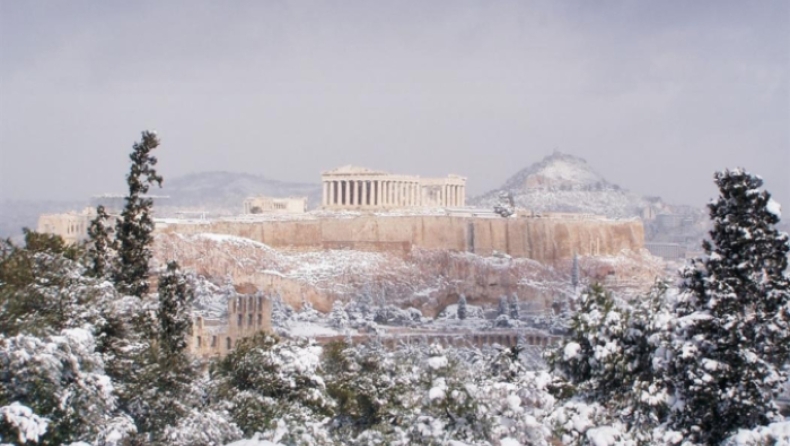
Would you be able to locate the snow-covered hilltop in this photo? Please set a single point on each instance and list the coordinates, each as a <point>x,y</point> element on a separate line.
<point>566,183</point>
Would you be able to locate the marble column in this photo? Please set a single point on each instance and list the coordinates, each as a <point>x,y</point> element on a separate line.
<point>364,201</point>
<point>345,192</point>
<point>358,193</point>
<point>378,193</point>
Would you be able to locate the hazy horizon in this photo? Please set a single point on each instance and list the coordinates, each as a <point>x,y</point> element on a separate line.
<point>655,96</point>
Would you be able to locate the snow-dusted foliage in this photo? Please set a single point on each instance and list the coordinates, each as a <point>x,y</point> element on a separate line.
<point>101,246</point>
<point>53,389</point>
<point>265,381</point>
<point>338,318</point>
<point>613,360</point>
<point>734,317</point>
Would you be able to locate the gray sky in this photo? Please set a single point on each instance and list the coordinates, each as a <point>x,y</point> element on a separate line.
<point>655,95</point>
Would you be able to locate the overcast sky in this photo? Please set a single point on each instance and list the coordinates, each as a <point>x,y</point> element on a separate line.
<point>655,95</point>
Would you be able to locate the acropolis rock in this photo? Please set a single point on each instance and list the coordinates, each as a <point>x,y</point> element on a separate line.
<point>545,239</point>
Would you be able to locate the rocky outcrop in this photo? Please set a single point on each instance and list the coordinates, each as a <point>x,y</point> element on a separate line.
<point>428,280</point>
<point>545,239</point>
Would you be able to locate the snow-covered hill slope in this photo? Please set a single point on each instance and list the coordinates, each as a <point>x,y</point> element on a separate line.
<point>565,183</point>
<point>226,191</point>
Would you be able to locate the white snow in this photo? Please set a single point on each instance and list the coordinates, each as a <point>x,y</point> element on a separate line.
<point>439,390</point>
<point>603,436</point>
<point>571,350</point>
<point>774,207</point>
<point>437,362</point>
<point>310,330</point>
<point>28,425</point>
<point>775,433</point>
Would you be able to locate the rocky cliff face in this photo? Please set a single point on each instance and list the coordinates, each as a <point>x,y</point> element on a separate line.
<point>543,239</point>
<point>428,280</point>
<point>565,183</point>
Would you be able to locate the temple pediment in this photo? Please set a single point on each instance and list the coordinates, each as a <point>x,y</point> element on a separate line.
<point>350,169</point>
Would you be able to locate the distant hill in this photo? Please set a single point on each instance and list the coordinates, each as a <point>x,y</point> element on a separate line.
<point>225,192</point>
<point>566,183</point>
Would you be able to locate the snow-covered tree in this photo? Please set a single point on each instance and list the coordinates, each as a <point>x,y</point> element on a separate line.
<point>161,390</point>
<point>370,387</point>
<point>134,230</point>
<point>101,244</point>
<point>505,207</point>
<point>175,310</point>
<point>461,307</point>
<point>56,382</point>
<point>614,358</point>
<point>43,288</point>
<point>338,317</point>
<point>265,380</point>
<point>732,330</point>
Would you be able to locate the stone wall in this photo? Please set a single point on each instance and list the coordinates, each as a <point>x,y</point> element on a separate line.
<point>542,239</point>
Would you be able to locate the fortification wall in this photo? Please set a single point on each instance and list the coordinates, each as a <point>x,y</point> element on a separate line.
<point>541,239</point>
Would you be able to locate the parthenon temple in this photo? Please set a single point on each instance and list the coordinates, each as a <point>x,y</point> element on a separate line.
<point>352,187</point>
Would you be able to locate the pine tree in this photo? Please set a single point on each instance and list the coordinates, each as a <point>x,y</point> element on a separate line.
<point>338,318</point>
<point>174,313</point>
<point>135,228</point>
<point>161,392</point>
<point>611,358</point>
<point>101,244</point>
<point>733,315</point>
<point>462,307</point>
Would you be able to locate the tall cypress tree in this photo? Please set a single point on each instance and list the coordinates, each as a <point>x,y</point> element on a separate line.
<point>175,310</point>
<point>135,228</point>
<point>462,307</point>
<point>101,244</point>
<point>733,316</point>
